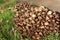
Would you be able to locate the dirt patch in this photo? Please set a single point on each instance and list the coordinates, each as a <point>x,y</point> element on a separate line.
<point>52,4</point>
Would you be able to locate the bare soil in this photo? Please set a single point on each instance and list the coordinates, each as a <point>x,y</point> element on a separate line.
<point>52,4</point>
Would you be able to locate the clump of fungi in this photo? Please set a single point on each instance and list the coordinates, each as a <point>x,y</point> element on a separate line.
<point>35,21</point>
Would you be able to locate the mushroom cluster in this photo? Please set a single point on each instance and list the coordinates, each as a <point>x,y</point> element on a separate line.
<point>35,21</point>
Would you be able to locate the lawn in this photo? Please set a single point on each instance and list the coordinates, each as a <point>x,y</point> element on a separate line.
<point>8,30</point>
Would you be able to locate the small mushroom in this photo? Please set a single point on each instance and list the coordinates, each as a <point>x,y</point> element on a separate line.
<point>49,13</point>
<point>46,23</point>
<point>47,18</point>
<point>33,15</point>
<point>42,27</point>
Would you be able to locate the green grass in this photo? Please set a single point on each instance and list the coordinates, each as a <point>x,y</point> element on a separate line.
<point>6,23</point>
<point>4,4</point>
<point>52,36</point>
<point>5,26</point>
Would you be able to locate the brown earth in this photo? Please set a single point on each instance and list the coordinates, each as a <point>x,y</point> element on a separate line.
<point>52,4</point>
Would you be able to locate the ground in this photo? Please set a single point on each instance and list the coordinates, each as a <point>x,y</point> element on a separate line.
<point>52,4</point>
